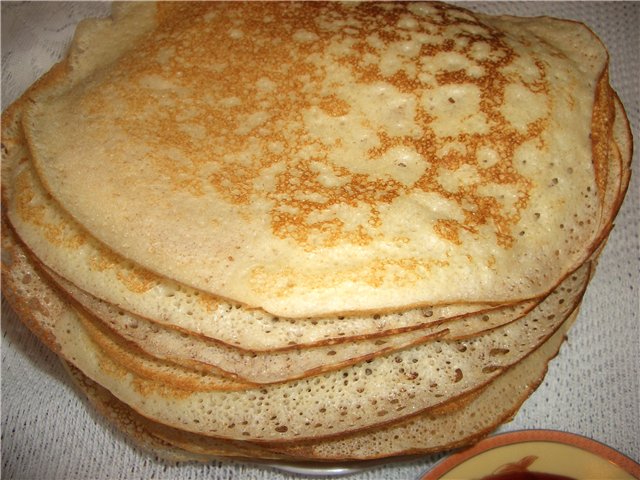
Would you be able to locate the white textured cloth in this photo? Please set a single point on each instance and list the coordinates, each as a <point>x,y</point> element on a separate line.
<point>592,388</point>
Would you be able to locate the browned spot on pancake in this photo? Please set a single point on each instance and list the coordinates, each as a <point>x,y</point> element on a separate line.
<point>136,279</point>
<point>148,388</point>
<point>108,366</point>
<point>334,106</point>
<point>601,126</point>
<point>448,229</point>
<point>34,213</point>
<point>290,219</point>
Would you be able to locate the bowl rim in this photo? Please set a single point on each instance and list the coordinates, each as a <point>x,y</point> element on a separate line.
<point>534,435</point>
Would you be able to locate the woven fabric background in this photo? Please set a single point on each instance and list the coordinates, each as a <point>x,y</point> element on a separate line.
<point>50,432</point>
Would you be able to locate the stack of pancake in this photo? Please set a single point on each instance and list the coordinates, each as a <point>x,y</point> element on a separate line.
<point>310,231</point>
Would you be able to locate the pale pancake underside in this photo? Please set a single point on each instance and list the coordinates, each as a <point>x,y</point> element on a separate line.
<point>176,331</point>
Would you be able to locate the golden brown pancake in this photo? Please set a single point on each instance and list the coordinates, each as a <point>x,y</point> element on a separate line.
<point>256,192</point>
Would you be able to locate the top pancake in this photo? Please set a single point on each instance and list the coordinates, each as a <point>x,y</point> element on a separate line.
<point>313,158</point>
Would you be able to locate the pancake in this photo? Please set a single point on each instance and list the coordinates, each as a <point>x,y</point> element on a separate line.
<point>440,181</point>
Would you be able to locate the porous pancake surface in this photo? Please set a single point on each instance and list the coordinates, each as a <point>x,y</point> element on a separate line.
<point>380,391</point>
<point>427,432</point>
<point>374,154</point>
